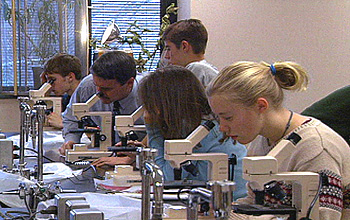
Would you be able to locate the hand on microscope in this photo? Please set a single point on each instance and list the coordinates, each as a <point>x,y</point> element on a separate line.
<point>55,120</point>
<point>69,144</point>
<point>66,145</point>
<point>122,158</point>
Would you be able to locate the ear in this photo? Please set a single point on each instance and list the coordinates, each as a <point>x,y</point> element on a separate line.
<point>186,46</point>
<point>130,83</point>
<point>71,76</point>
<point>262,105</point>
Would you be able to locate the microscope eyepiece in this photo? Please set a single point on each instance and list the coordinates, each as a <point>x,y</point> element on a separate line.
<point>209,125</point>
<point>51,81</point>
<point>100,94</point>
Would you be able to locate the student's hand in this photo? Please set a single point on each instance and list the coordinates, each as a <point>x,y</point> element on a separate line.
<point>136,143</point>
<point>67,145</point>
<point>55,120</point>
<point>89,134</point>
<point>43,77</point>
<point>124,160</point>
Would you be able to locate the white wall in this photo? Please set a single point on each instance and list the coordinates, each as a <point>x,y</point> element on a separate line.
<point>314,33</point>
<point>9,115</point>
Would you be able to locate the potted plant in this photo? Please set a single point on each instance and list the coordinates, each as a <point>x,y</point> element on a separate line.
<point>38,33</point>
<point>43,11</point>
<point>133,37</point>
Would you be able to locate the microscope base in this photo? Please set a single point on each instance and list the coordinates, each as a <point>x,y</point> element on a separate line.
<point>89,155</point>
<point>257,210</point>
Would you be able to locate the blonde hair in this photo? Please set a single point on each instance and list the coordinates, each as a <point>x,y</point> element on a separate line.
<point>246,81</point>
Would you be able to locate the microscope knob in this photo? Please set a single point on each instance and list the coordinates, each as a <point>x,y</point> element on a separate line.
<point>103,137</point>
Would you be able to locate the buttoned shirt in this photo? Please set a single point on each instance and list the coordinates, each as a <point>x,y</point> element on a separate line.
<point>83,92</point>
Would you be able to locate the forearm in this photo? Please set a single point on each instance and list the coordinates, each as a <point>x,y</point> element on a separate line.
<point>70,124</point>
<point>75,137</point>
<point>156,141</point>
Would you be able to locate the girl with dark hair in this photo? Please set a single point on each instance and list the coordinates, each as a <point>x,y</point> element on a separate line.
<point>175,105</point>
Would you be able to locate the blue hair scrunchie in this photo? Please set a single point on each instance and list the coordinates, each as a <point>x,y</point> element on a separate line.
<point>273,69</point>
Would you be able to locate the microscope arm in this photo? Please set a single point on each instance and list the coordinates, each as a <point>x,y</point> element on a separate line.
<point>102,141</point>
<point>40,93</point>
<point>218,163</point>
<point>179,151</point>
<point>185,146</point>
<point>283,150</point>
<point>125,123</point>
<point>36,95</point>
<point>82,109</point>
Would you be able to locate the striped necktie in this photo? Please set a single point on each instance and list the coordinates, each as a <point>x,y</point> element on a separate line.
<point>116,111</point>
<point>116,108</point>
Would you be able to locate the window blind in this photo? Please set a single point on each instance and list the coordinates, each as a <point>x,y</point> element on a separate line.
<point>146,13</point>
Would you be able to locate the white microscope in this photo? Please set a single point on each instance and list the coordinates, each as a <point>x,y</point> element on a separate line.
<point>260,170</point>
<point>125,126</point>
<point>126,123</point>
<point>39,95</point>
<point>100,138</point>
<point>179,151</point>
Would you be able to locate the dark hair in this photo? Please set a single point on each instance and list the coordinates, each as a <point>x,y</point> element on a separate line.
<point>64,64</point>
<point>115,65</point>
<point>175,100</point>
<point>190,30</point>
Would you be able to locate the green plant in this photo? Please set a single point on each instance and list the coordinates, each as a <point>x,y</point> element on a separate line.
<point>133,37</point>
<point>49,29</point>
<point>44,12</point>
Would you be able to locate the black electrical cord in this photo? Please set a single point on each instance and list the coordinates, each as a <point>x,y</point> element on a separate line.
<point>12,190</point>
<point>18,217</point>
<point>85,177</point>
<point>204,204</point>
<point>26,204</point>
<point>30,149</point>
<point>312,204</point>
<point>95,173</point>
<point>2,215</point>
<point>23,215</point>
<point>37,157</point>
<point>181,190</point>
<point>33,215</point>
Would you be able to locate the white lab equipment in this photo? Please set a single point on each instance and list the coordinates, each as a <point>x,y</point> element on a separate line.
<point>39,95</point>
<point>260,170</point>
<point>179,151</point>
<point>102,138</point>
<point>125,123</point>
